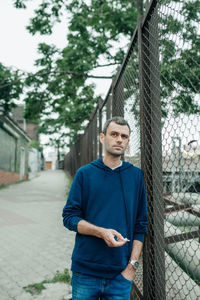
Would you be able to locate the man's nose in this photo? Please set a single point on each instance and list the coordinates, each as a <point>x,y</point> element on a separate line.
<point>119,138</point>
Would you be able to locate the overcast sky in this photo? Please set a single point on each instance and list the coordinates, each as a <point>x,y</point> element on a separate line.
<point>18,46</point>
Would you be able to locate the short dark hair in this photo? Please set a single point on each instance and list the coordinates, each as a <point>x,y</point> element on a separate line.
<point>118,120</point>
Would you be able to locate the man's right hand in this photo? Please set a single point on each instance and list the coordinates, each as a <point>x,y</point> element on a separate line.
<point>113,238</point>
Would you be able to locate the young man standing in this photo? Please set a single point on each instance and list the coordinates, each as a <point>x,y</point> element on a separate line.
<point>107,208</point>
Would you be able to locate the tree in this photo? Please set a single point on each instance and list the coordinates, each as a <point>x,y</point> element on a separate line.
<point>95,28</point>
<point>11,87</point>
<point>61,86</point>
<point>35,144</point>
<point>180,71</point>
<point>179,59</point>
<point>59,143</point>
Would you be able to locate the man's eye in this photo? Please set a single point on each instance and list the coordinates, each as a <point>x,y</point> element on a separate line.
<point>114,134</point>
<point>124,137</point>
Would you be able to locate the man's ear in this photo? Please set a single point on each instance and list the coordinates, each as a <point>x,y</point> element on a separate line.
<point>101,137</point>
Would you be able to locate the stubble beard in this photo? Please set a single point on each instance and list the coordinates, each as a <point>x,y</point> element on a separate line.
<point>114,154</point>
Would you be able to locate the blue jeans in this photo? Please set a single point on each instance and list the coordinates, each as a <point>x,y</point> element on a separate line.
<point>87,287</point>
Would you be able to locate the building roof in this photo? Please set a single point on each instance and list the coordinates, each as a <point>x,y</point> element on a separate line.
<point>12,126</point>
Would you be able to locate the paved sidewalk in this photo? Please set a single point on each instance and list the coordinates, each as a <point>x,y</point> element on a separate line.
<point>34,243</point>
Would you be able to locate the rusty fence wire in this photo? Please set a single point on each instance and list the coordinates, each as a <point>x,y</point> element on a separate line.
<point>157,90</point>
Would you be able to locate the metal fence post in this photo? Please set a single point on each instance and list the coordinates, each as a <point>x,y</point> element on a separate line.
<point>100,126</point>
<point>90,145</point>
<point>109,107</point>
<point>87,152</point>
<point>113,98</point>
<point>151,157</point>
<point>118,97</point>
<point>95,134</point>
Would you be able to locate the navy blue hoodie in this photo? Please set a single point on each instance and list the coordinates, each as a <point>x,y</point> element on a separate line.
<point>107,198</point>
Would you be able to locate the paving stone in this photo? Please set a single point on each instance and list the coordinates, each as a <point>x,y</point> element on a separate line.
<point>34,243</point>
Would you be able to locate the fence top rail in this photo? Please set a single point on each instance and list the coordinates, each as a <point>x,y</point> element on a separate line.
<point>126,58</point>
<point>151,6</point>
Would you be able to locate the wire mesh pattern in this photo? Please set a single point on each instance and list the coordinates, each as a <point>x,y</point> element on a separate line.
<point>157,90</point>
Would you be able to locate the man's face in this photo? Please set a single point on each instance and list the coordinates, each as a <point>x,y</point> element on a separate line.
<point>116,139</point>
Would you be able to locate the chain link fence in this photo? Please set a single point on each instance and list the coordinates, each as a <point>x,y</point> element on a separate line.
<point>157,91</point>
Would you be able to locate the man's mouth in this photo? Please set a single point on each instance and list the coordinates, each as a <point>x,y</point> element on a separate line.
<point>118,147</point>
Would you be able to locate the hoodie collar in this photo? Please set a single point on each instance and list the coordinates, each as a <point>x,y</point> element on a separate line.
<point>117,166</point>
<point>99,164</point>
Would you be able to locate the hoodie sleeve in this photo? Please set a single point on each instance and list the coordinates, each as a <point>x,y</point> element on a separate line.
<point>141,219</point>
<point>72,211</point>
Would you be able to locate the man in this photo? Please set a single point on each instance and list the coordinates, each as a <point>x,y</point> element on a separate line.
<point>107,208</point>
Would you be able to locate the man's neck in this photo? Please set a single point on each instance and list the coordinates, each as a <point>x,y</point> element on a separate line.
<point>112,162</point>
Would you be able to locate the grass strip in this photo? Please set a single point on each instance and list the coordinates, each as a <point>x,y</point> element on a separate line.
<point>36,288</point>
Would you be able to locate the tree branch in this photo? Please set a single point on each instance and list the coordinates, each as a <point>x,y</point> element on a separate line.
<point>78,74</point>
<point>58,72</point>
<point>106,65</point>
<point>99,77</point>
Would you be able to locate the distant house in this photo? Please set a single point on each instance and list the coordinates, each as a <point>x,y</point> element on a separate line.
<point>13,151</point>
<point>29,126</point>
<point>35,157</point>
<point>48,165</point>
<point>35,160</point>
<point>51,161</point>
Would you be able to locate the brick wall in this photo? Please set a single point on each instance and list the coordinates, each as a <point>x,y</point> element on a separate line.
<point>8,177</point>
<point>31,129</point>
